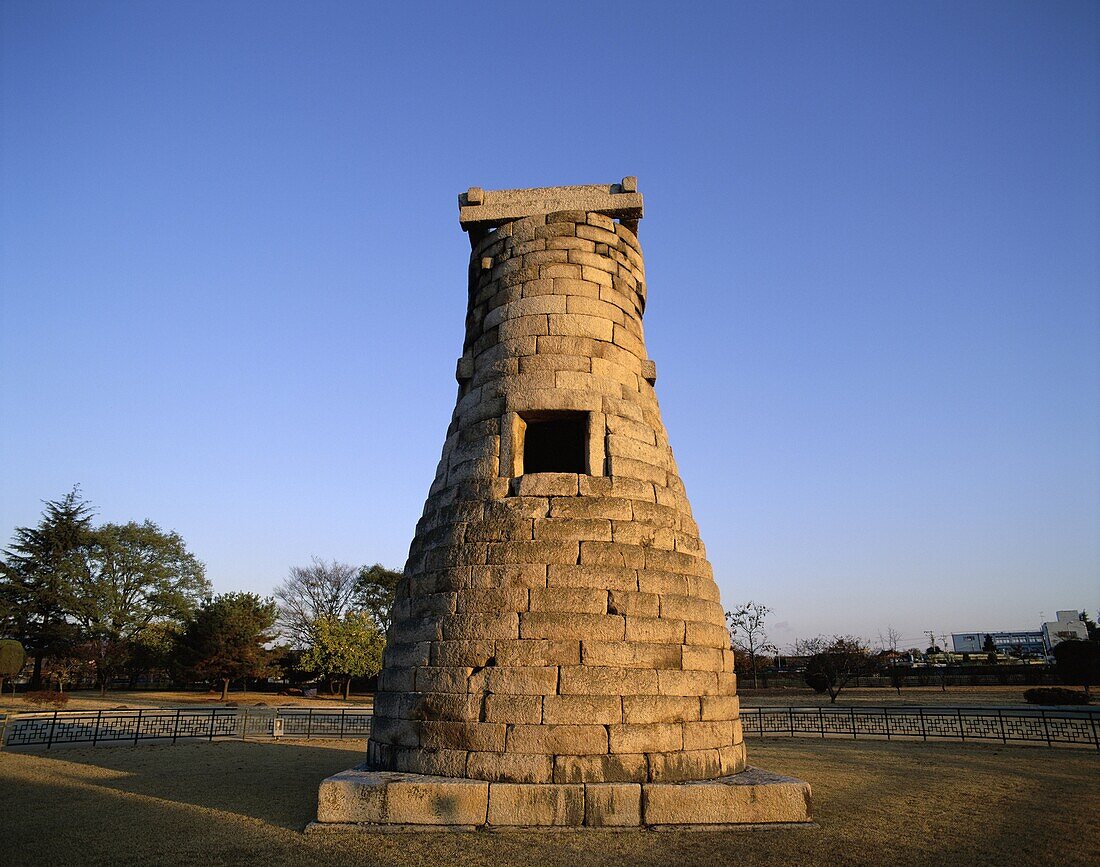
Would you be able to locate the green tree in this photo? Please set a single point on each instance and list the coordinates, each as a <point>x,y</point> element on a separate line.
<point>225,639</point>
<point>832,662</point>
<point>1090,625</point>
<point>349,647</point>
<point>152,652</point>
<point>37,572</point>
<point>1078,663</point>
<point>133,576</point>
<point>12,659</point>
<point>375,589</point>
<point>988,646</point>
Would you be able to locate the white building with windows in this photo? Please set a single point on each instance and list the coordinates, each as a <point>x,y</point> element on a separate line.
<point>1067,626</point>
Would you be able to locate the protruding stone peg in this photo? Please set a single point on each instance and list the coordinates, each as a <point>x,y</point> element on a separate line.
<point>630,184</point>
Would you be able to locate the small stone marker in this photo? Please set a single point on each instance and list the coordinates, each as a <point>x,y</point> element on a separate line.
<point>558,654</point>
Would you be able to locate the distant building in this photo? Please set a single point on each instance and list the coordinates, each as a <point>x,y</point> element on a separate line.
<point>1068,625</point>
<point>1011,643</point>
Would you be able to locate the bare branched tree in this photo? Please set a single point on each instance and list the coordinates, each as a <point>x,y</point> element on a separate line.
<point>747,634</point>
<point>890,640</point>
<point>319,591</point>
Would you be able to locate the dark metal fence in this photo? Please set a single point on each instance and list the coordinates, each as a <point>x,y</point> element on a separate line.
<point>1044,726</point>
<point>1049,726</point>
<point>168,725</point>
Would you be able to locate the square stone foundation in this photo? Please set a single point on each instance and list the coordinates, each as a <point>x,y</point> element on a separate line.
<point>361,799</point>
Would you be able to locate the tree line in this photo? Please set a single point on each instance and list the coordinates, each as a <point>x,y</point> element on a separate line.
<point>828,664</point>
<point>111,601</point>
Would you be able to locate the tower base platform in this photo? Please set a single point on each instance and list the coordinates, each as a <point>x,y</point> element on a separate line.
<point>366,800</point>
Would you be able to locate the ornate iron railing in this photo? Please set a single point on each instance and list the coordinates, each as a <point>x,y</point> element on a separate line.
<point>1045,726</point>
<point>1050,726</point>
<point>168,725</point>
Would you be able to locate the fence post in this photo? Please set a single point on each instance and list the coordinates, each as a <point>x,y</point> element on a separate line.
<point>923,732</point>
<point>821,720</point>
<point>95,731</point>
<point>53,723</point>
<point>886,719</point>
<point>176,726</point>
<point>852,713</point>
<point>1046,727</point>
<point>1095,736</point>
<point>1001,720</point>
<point>343,715</point>
<point>244,724</point>
<point>790,711</point>
<point>137,728</point>
<point>213,714</point>
<point>309,724</point>
<point>959,714</point>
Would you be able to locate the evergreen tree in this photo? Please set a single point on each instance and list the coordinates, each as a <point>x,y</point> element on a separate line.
<point>226,639</point>
<point>37,576</point>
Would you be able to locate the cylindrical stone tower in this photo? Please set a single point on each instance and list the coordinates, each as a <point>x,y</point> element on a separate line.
<point>558,620</point>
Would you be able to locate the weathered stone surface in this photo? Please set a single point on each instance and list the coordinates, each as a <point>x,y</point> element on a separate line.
<point>557,740</point>
<point>383,797</point>
<point>510,767</point>
<point>651,737</point>
<point>753,796</point>
<point>606,680</point>
<point>537,651</point>
<point>570,600</point>
<point>543,624</point>
<point>575,709</point>
<point>620,768</point>
<point>479,208</point>
<point>630,654</point>
<point>685,764</point>
<point>612,804</point>
<point>372,799</point>
<point>535,805</point>
<point>659,709</point>
<point>513,708</point>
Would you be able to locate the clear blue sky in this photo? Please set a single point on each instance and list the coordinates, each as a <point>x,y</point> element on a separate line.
<point>233,281</point>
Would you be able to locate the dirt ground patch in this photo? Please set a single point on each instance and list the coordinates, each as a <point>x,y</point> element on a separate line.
<point>246,803</point>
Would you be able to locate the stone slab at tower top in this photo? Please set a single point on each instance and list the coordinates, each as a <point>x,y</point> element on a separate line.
<point>481,210</point>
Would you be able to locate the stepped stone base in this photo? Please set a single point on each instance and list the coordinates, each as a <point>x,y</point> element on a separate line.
<point>362,799</point>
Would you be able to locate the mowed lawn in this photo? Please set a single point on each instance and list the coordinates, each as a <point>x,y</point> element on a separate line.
<point>247,802</point>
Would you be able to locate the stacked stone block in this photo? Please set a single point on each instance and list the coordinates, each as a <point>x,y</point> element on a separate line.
<point>557,628</point>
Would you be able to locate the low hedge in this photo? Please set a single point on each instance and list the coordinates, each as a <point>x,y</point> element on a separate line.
<point>1055,695</point>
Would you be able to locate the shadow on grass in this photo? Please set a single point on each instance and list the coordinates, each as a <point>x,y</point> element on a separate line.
<point>273,783</point>
<point>246,803</point>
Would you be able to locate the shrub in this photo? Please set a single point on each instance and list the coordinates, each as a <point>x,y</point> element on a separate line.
<point>45,696</point>
<point>1055,695</point>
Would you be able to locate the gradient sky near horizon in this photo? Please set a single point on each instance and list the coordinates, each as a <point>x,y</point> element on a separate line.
<point>232,280</point>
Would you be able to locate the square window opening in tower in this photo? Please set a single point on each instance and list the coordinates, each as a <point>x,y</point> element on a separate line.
<point>554,442</point>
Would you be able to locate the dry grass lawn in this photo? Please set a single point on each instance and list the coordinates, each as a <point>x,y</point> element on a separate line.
<point>92,700</point>
<point>246,803</point>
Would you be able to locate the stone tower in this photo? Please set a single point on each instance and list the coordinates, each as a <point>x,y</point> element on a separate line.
<point>557,639</point>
